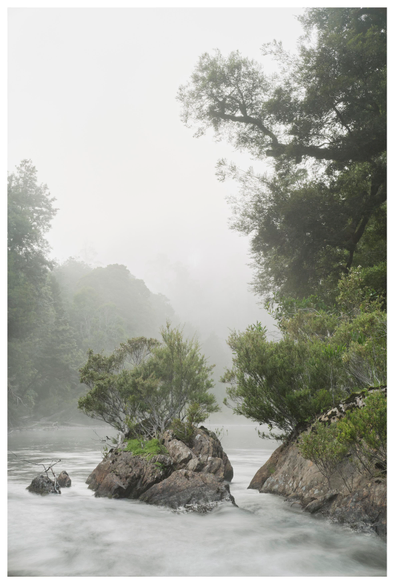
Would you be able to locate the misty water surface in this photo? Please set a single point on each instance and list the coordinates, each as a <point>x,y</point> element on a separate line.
<point>76,534</point>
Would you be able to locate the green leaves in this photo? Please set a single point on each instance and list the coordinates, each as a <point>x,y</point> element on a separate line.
<point>323,447</point>
<point>145,385</point>
<point>323,123</point>
<point>324,354</point>
<point>360,434</point>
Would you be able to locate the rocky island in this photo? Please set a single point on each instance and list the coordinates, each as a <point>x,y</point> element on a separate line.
<point>190,476</point>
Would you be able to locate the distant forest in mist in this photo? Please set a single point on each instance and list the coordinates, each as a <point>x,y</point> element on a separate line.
<point>57,312</point>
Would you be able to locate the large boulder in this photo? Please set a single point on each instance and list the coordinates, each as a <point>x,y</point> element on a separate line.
<point>204,453</point>
<point>359,500</point>
<point>189,490</point>
<point>43,485</point>
<point>192,475</point>
<point>123,475</point>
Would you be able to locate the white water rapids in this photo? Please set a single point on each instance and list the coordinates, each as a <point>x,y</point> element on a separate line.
<point>76,534</point>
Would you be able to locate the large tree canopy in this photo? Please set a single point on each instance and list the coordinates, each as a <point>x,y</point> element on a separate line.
<point>322,121</point>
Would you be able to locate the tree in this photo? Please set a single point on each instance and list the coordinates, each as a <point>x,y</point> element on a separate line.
<point>43,357</point>
<point>30,212</point>
<point>325,354</point>
<point>157,385</point>
<point>323,124</point>
<point>108,305</point>
<point>269,381</point>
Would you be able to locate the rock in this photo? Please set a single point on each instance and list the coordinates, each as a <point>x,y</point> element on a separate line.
<point>361,504</point>
<point>123,475</point>
<point>189,490</point>
<point>64,479</point>
<point>178,451</point>
<point>205,454</point>
<point>192,476</point>
<point>321,503</point>
<point>43,485</point>
<point>266,470</point>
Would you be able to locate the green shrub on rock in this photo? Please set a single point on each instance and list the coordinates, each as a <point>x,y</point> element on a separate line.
<point>147,449</point>
<point>184,431</point>
<point>324,448</point>
<point>365,429</point>
<point>361,435</point>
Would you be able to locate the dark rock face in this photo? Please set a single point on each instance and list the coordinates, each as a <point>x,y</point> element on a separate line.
<point>361,504</point>
<point>63,479</point>
<point>191,476</point>
<point>190,490</point>
<point>43,485</point>
<point>205,454</point>
<point>122,475</point>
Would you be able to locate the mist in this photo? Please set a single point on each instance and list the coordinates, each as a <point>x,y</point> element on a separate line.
<point>92,103</point>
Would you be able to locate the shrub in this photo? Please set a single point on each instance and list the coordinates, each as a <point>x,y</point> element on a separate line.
<point>281,384</point>
<point>147,449</point>
<point>323,447</point>
<point>184,430</point>
<point>365,429</point>
<point>361,434</point>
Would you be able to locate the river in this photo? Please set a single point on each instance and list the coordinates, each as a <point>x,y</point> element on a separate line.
<point>76,534</point>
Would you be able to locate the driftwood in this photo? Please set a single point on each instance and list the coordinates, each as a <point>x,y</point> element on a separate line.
<point>47,467</point>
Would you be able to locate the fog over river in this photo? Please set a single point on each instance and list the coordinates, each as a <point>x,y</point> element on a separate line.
<point>76,534</point>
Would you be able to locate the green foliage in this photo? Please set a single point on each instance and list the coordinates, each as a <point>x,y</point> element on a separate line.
<point>144,385</point>
<point>42,353</point>
<point>184,431</point>
<point>322,122</point>
<point>275,383</point>
<point>361,435</point>
<point>324,354</point>
<point>108,395</point>
<point>323,447</point>
<point>365,429</point>
<point>30,212</point>
<point>106,306</point>
<point>146,448</point>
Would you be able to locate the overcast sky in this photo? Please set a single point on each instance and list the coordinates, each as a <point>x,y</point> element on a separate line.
<point>92,102</point>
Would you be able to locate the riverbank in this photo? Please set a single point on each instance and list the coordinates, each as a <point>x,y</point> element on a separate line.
<point>347,492</point>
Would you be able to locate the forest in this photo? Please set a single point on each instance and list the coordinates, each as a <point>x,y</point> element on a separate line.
<point>316,222</point>
<point>57,312</point>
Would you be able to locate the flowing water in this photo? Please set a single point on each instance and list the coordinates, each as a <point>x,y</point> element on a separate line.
<point>76,534</point>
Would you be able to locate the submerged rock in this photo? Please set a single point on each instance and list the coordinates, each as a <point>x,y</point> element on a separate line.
<point>192,475</point>
<point>43,485</point>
